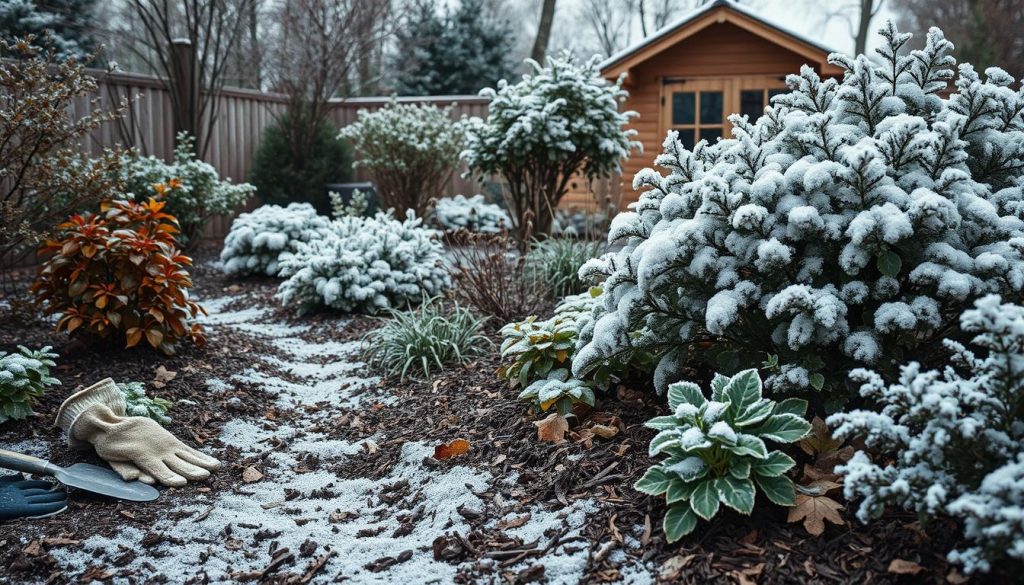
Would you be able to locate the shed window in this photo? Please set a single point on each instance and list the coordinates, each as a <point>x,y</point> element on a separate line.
<point>752,103</point>
<point>711,103</point>
<point>684,105</point>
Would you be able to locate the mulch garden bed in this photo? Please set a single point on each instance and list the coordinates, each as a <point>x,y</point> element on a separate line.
<point>468,403</point>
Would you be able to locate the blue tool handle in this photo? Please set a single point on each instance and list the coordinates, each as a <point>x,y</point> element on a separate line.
<point>25,463</point>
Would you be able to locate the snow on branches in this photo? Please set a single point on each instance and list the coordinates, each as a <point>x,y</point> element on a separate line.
<point>259,237</point>
<point>850,225</point>
<point>957,436</point>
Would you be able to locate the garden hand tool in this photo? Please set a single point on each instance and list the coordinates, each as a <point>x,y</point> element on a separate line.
<point>136,447</point>
<point>23,498</point>
<point>82,476</point>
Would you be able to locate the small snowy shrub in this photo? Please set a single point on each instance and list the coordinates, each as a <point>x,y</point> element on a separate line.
<point>558,389</point>
<point>957,436</point>
<point>472,214</point>
<point>558,122</point>
<point>716,450</point>
<point>24,376</point>
<point>193,190</point>
<point>557,261</point>
<point>409,149</point>
<point>430,336</point>
<point>359,205</point>
<point>850,225</point>
<point>138,404</point>
<point>364,264</point>
<point>259,237</point>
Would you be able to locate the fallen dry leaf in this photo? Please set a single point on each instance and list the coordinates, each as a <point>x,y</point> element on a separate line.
<point>34,549</point>
<point>903,567</point>
<point>514,522</point>
<point>814,510</point>
<point>552,429</point>
<point>251,475</point>
<point>163,376</point>
<point>671,568</point>
<point>452,449</point>
<point>605,431</point>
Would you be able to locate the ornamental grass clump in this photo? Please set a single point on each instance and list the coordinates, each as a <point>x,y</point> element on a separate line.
<point>557,261</point>
<point>428,338</point>
<point>119,275</point>
<point>849,226</point>
<point>364,265</point>
<point>716,453</point>
<point>24,376</point>
<point>957,436</point>
<point>258,238</point>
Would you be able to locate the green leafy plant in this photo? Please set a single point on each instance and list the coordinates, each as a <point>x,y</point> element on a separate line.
<point>138,404</point>
<point>558,389</point>
<point>716,450</point>
<point>423,338</point>
<point>24,376</point>
<point>557,262</point>
<point>535,348</point>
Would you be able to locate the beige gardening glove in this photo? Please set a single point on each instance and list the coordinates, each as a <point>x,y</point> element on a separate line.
<point>136,447</point>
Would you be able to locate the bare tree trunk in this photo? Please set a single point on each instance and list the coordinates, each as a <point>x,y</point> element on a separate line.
<point>867,12</point>
<point>540,44</point>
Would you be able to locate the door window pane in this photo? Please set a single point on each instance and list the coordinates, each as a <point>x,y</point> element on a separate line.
<point>684,104</point>
<point>752,103</point>
<point>711,134</point>
<point>711,107</point>
<point>686,137</point>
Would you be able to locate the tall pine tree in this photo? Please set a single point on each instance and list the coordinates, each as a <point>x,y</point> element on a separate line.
<point>67,24</point>
<point>454,52</point>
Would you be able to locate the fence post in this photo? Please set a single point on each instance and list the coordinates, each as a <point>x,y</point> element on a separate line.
<point>183,82</point>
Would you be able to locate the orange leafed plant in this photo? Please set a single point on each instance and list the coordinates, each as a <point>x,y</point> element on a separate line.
<point>119,275</point>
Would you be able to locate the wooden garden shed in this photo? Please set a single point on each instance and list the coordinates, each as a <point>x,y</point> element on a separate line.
<point>718,59</point>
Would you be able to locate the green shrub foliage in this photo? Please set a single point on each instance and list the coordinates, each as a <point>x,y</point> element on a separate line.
<point>715,451</point>
<point>24,376</point>
<point>849,225</point>
<point>139,404</point>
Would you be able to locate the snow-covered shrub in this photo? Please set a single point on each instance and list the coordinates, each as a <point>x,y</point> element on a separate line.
<point>430,336</point>
<point>193,190</point>
<point>259,237</point>
<point>24,376</point>
<point>473,214</point>
<point>557,261</point>
<point>716,450</point>
<point>957,437</point>
<point>364,264</point>
<point>358,205</point>
<point>562,120</point>
<point>850,225</point>
<point>138,404</point>
<point>410,150</point>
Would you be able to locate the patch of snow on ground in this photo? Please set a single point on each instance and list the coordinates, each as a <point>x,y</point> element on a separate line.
<point>34,447</point>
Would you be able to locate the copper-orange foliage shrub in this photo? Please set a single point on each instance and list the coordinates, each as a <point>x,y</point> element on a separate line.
<point>119,275</point>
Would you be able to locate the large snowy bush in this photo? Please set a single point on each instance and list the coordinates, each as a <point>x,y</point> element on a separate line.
<point>957,436</point>
<point>259,237</point>
<point>562,120</point>
<point>192,188</point>
<point>850,225</point>
<point>365,264</point>
<point>410,150</point>
<point>472,214</point>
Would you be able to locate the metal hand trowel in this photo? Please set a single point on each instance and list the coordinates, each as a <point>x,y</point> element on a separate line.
<point>83,476</point>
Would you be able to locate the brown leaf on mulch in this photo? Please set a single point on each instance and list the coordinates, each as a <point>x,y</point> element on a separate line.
<point>251,475</point>
<point>814,510</point>
<point>552,429</point>
<point>451,449</point>
<point>904,567</point>
<point>163,376</point>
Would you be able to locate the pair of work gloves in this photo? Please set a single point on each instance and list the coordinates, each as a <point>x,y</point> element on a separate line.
<point>30,498</point>
<point>136,447</point>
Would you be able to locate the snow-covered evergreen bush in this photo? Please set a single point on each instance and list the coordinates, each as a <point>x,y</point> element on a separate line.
<point>259,237</point>
<point>716,450</point>
<point>957,437</point>
<point>365,264</point>
<point>410,150</point>
<point>473,214</point>
<point>561,120</point>
<point>850,225</point>
<point>192,188</point>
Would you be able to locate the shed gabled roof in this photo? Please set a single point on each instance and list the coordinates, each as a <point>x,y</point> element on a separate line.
<point>718,11</point>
